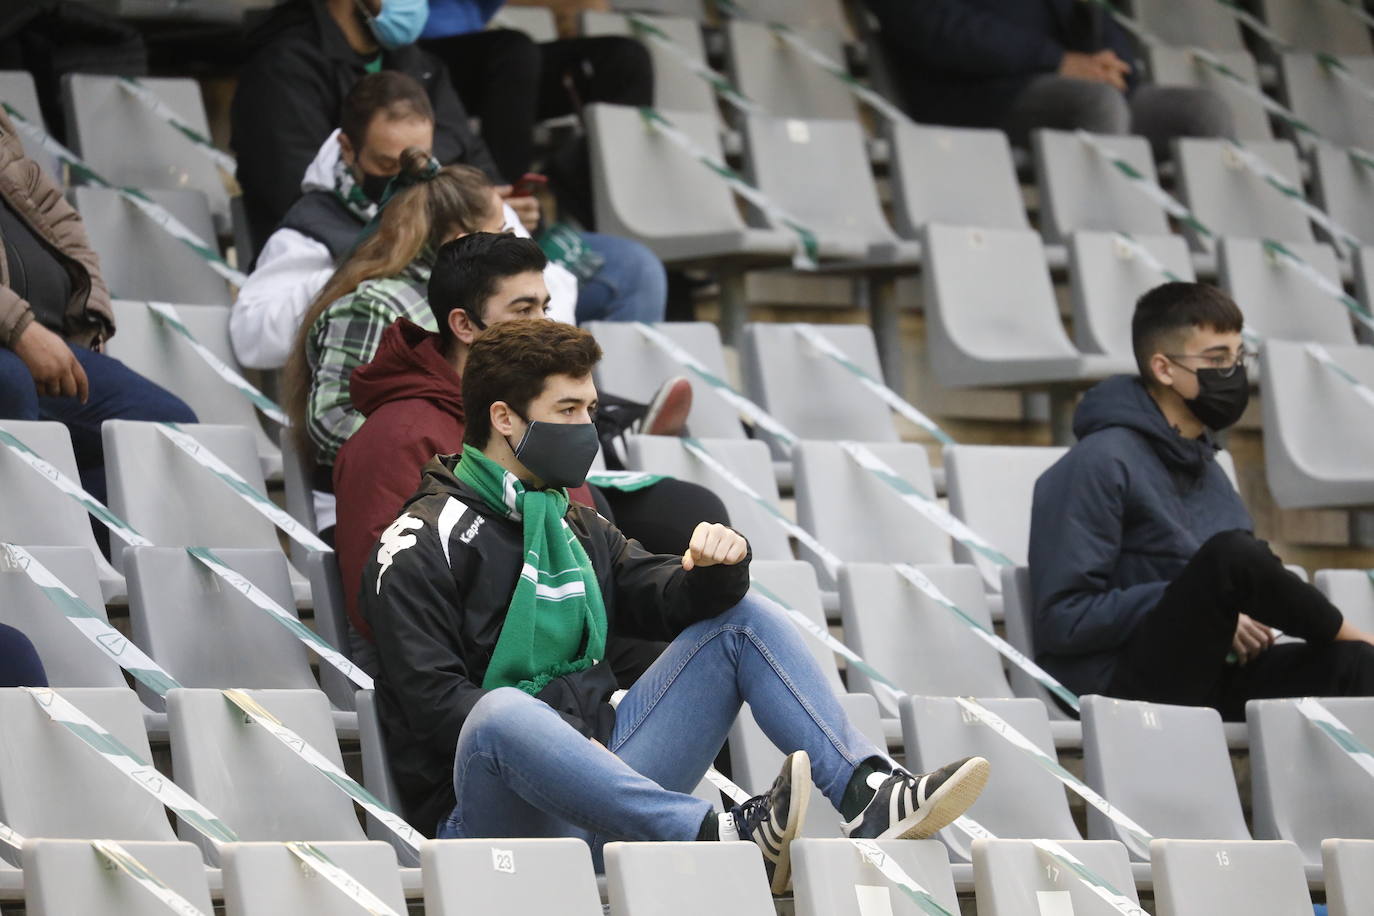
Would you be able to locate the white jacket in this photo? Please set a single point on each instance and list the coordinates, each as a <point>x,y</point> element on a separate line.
<point>292,268</point>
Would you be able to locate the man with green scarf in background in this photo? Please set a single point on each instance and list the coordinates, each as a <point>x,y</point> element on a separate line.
<point>491,599</point>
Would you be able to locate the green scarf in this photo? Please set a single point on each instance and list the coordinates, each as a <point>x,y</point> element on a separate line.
<point>556,610</point>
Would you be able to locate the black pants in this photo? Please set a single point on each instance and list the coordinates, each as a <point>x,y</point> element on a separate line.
<point>1177,653</point>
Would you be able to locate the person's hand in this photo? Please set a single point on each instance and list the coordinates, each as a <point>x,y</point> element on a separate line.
<point>527,208</point>
<point>53,365</point>
<point>1252,638</point>
<point>1101,67</point>
<point>714,544</point>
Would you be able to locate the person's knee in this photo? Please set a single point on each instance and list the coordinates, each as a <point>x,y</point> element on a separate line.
<point>1164,112</point>
<point>1098,108</point>
<point>511,53</point>
<point>1235,546</point>
<point>757,615</point>
<point>500,708</point>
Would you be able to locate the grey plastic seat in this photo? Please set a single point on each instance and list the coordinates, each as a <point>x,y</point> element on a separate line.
<point>1018,608</point>
<point>1106,279</point>
<point>129,145</point>
<point>34,514</point>
<point>782,81</point>
<point>676,87</point>
<point>831,878</point>
<point>1079,190</point>
<point>1344,189</point>
<point>17,88</point>
<point>747,459</point>
<point>1200,24</point>
<point>1333,798</point>
<point>1233,201</point>
<point>810,393</point>
<point>1166,766</point>
<point>1352,591</point>
<point>52,785</point>
<point>686,879</point>
<point>804,14</point>
<point>261,878</point>
<point>1014,878</point>
<point>645,188</point>
<point>956,176</point>
<point>1205,877</point>
<point>127,242</point>
<point>238,770</point>
<point>1278,302</point>
<point>990,489</point>
<point>331,623</point>
<point>297,473</point>
<point>992,315</point>
<point>206,634</point>
<point>69,876</point>
<point>509,877</point>
<point>377,777</point>
<point>1317,436</point>
<point>1024,801</point>
<point>1348,866</point>
<point>1317,26</point>
<point>691,9</point>
<point>920,645</point>
<point>535,21</point>
<point>1176,66</point>
<point>173,501</point>
<point>69,658</point>
<point>1333,107</point>
<point>161,355</point>
<point>857,516</point>
<point>794,582</point>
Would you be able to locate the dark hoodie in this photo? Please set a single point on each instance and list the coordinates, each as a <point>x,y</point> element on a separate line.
<point>1113,522</point>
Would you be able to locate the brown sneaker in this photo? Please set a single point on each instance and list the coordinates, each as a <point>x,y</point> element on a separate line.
<point>666,414</point>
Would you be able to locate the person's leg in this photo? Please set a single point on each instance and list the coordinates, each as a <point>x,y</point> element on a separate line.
<point>1334,669</point>
<point>1061,103</point>
<point>608,68</point>
<point>662,517</point>
<point>18,396</point>
<point>20,665</point>
<point>630,286</point>
<point>1161,113</point>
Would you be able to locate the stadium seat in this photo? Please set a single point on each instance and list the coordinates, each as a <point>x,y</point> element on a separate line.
<point>1332,797</point>
<point>1317,438</point>
<point>991,489</point>
<point>920,645</point>
<point>265,878</point>
<point>1204,25</point>
<point>794,582</point>
<point>755,761</point>
<point>747,459</point>
<point>535,21</point>
<point>131,146</point>
<point>242,773</point>
<point>782,81</point>
<point>1079,190</point>
<point>954,176</point>
<point>69,658</point>
<point>331,623</point>
<point>509,877</point>
<point>1177,66</point>
<point>676,87</point>
<point>1279,303</point>
<point>1018,608</point>
<point>173,501</point>
<point>34,514</point>
<point>1167,767</point>
<point>377,777</point>
<point>1348,867</point>
<point>1316,26</point>
<point>831,878</point>
<point>162,355</point>
<point>1233,201</point>
<point>1334,108</point>
<point>691,9</point>
<point>1023,800</point>
<point>1015,878</point>
<point>687,879</point>
<point>1106,279</point>
<point>1351,590</point>
<point>17,88</point>
<point>127,242</point>
<point>62,877</point>
<point>827,15</point>
<point>1344,189</point>
<point>1206,877</point>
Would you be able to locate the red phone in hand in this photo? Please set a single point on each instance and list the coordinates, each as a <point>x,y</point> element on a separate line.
<point>528,184</point>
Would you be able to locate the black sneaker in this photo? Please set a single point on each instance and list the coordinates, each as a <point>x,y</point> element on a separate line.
<point>772,821</point>
<point>907,807</point>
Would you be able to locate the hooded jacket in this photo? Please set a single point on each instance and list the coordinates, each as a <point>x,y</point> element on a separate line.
<point>1112,523</point>
<point>436,591</point>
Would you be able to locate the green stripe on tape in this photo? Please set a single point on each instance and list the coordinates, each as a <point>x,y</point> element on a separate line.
<point>874,855</point>
<point>1338,732</point>
<point>314,859</point>
<point>645,28</point>
<point>1320,354</point>
<point>157,106</point>
<point>624,481</point>
<point>1099,885</point>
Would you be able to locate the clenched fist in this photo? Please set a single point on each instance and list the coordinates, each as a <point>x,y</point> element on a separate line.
<point>714,544</point>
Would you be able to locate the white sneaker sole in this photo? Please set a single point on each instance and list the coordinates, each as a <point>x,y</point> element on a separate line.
<point>950,801</point>
<point>796,816</point>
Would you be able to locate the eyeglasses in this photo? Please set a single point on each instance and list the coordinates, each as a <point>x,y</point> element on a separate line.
<point>1225,364</point>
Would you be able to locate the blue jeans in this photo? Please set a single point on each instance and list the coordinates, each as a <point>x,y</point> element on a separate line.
<point>521,771</point>
<point>116,393</point>
<point>631,286</point>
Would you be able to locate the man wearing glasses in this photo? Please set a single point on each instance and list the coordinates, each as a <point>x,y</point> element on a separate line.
<point>1148,581</point>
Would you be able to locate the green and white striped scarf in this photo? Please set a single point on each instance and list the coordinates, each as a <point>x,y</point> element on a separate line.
<point>556,622</point>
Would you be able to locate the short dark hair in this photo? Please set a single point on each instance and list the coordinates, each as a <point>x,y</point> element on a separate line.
<point>510,362</point>
<point>467,270</point>
<point>386,92</point>
<point>1176,307</point>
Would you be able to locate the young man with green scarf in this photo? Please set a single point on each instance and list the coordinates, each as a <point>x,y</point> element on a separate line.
<point>491,599</point>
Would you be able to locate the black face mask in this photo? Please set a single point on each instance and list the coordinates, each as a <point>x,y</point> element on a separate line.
<point>1220,399</point>
<point>374,186</point>
<point>560,454</point>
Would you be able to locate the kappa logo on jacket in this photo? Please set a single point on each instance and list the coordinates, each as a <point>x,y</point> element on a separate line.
<point>394,540</point>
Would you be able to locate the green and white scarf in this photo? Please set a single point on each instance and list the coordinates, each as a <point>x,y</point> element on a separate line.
<point>556,611</point>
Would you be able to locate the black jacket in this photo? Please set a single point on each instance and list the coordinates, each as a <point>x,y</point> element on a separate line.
<point>290,96</point>
<point>435,593</point>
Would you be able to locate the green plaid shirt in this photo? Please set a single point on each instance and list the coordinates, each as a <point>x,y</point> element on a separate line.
<point>345,337</point>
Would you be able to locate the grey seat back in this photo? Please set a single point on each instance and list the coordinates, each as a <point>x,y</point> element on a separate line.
<point>509,877</point>
<point>1106,278</point>
<point>1279,303</point>
<point>832,878</point>
<point>677,879</point>
<point>17,88</point>
<point>536,22</point>
<point>1167,767</point>
<point>331,623</point>
<point>825,15</point>
<point>1352,591</point>
<point>1024,801</point>
<point>1018,606</point>
<point>262,878</point>
<point>794,582</point>
<point>918,644</point>
<point>241,772</point>
<point>1233,201</point>
<point>1203,877</point>
<point>1177,66</point>
<point>1204,25</point>
<point>1080,190</point>
<point>1344,189</point>
<point>1015,878</point>
<point>1348,867</point>
<point>781,80</point>
<point>1334,799</point>
<point>377,777</point>
<point>1317,26</point>
<point>676,87</point>
<point>691,9</point>
<point>956,176</point>
<point>1333,107</point>
<point>990,488</point>
<point>69,876</point>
